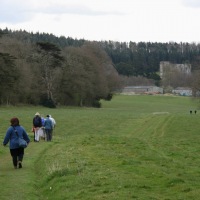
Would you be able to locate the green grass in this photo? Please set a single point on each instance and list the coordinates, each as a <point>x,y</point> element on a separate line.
<point>134,147</point>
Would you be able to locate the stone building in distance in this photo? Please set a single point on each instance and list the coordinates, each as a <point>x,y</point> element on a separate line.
<point>167,68</point>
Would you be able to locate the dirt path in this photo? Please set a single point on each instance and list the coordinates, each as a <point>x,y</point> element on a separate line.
<point>20,183</point>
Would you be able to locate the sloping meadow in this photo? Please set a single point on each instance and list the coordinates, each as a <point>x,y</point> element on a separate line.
<point>134,147</point>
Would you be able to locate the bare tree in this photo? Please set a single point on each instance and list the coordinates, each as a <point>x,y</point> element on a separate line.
<point>49,60</point>
<point>195,84</point>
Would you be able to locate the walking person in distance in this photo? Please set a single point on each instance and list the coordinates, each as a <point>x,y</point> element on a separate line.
<point>37,124</point>
<point>48,126</point>
<point>54,125</point>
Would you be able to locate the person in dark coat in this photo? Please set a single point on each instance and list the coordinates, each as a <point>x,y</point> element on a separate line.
<point>37,125</point>
<point>16,152</point>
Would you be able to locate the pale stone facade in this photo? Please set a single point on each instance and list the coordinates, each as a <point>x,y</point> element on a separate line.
<point>170,67</point>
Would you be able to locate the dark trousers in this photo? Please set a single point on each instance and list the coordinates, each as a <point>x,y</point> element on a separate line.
<point>48,134</point>
<point>17,155</point>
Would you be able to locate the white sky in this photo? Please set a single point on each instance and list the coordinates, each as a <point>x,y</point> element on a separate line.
<point>117,20</point>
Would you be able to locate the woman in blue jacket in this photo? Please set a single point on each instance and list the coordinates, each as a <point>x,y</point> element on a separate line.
<point>16,152</point>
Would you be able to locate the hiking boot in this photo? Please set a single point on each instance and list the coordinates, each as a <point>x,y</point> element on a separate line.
<point>20,164</point>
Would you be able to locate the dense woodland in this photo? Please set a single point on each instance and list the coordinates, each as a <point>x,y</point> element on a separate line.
<point>40,68</point>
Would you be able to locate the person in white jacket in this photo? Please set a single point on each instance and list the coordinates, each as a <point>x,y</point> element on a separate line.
<point>53,123</point>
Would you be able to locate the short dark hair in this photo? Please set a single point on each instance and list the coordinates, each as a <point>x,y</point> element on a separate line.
<point>14,121</point>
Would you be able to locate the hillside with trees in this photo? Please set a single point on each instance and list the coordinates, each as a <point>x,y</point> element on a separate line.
<point>42,69</point>
<point>41,72</point>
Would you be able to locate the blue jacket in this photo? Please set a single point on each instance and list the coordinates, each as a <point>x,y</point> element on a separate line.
<point>43,120</point>
<point>13,138</point>
<point>48,124</point>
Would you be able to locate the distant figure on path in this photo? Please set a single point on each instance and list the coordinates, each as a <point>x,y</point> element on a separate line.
<point>195,112</point>
<point>54,124</point>
<point>16,152</point>
<point>43,134</point>
<point>190,111</point>
<point>48,126</point>
<point>37,124</point>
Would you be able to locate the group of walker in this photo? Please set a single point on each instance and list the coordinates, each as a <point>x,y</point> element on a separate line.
<point>43,127</point>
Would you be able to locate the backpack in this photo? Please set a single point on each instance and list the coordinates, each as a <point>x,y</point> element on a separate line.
<point>37,121</point>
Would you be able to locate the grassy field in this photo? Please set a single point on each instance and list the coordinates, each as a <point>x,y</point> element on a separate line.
<point>134,147</point>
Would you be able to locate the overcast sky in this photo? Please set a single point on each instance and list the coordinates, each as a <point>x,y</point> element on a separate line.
<point>117,20</point>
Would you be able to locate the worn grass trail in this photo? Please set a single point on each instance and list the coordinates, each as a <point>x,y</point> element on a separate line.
<point>17,184</point>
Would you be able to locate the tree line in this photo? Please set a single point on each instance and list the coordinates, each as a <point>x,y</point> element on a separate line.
<point>129,58</point>
<point>144,58</point>
<point>43,73</point>
<point>40,68</point>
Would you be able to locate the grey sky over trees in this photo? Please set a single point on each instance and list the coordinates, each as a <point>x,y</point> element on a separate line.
<point>123,21</point>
